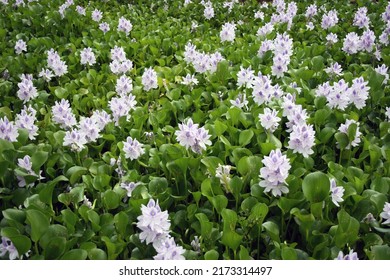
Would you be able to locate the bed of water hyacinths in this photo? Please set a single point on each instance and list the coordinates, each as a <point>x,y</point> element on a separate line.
<point>197,130</point>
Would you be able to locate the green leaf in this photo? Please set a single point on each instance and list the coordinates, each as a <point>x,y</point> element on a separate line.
<point>111,200</point>
<point>75,172</point>
<point>75,254</point>
<point>289,254</point>
<point>223,73</point>
<point>249,164</point>
<point>211,255</point>
<point>39,223</point>
<point>380,252</point>
<point>244,254</point>
<point>230,237</point>
<point>316,186</point>
<point>245,137</point>
<point>219,202</point>
<point>22,243</point>
<point>121,221</point>
<point>38,159</point>
<point>219,127</point>
<point>342,140</point>
<point>14,215</point>
<point>347,230</point>
<point>97,254</point>
<point>55,248</point>
<point>272,230</point>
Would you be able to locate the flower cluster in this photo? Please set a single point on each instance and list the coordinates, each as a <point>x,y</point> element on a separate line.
<point>208,9</point>
<point>190,81</point>
<point>121,106</point>
<point>87,57</point>
<point>104,26</point>
<point>26,89</point>
<point>201,61</point>
<point>8,130</point>
<point>269,120</point>
<point>386,213</point>
<point>353,43</point>
<point>223,174</point>
<point>311,11</point>
<point>26,120</point>
<point>352,256</point>
<point>228,32</point>
<point>97,15</point>
<point>132,148</point>
<point>340,94</point>
<point>55,63</point>
<point>20,46</point>
<point>274,173</point>
<point>191,136</point>
<point>124,25</point>
<point>26,165</point>
<point>361,19</point>
<point>119,63</point>
<point>329,19</point>
<point>149,79</point>
<point>129,187</point>
<point>155,225</point>
<point>63,115</point>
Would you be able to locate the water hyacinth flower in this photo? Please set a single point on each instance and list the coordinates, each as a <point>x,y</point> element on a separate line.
<point>26,120</point>
<point>89,128</point>
<point>331,38</point>
<point>361,19</point>
<point>149,79</point>
<point>132,148</point>
<point>240,102</point>
<point>190,81</point>
<point>46,74</point>
<point>55,63</point>
<point>359,92</point>
<point>334,69</point>
<point>75,139</point>
<point>302,140</point>
<point>97,15</point>
<point>121,106</point>
<point>153,223</point>
<point>20,46</point>
<point>26,164</point>
<point>63,115</point>
<point>337,192</point>
<point>208,12</point>
<point>191,136</point>
<point>87,57</point>
<point>26,89</point>
<point>223,174</point>
<point>386,213</point>
<point>124,25</point>
<point>6,246</point>
<point>269,120</point>
<point>168,250</point>
<point>352,256</point>
<point>80,10</point>
<point>352,43</point>
<point>311,11</point>
<point>329,19</point>
<point>383,70</point>
<point>104,26</point>
<point>344,129</point>
<point>124,85</point>
<point>274,173</point>
<point>245,76</point>
<point>129,187</point>
<point>228,32</point>
<point>8,130</point>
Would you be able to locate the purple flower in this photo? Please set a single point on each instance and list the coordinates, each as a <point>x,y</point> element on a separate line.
<point>344,129</point>
<point>20,46</point>
<point>7,246</point>
<point>149,79</point>
<point>87,57</point>
<point>269,120</point>
<point>129,187</point>
<point>352,256</point>
<point>26,89</point>
<point>132,148</point>
<point>274,173</point>
<point>337,192</point>
<point>168,250</point>
<point>302,139</point>
<point>62,114</point>
<point>386,213</point>
<point>8,130</point>
<point>153,223</point>
<point>97,15</point>
<point>124,25</point>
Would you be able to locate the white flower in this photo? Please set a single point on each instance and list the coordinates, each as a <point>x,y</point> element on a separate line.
<point>302,139</point>
<point>97,15</point>
<point>26,120</point>
<point>352,256</point>
<point>168,250</point>
<point>132,148</point>
<point>8,130</point>
<point>75,139</point>
<point>87,57</point>
<point>149,79</point>
<point>269,119</point>
<point>124,25</point>
<point>245,76</point>
<point>240,101</point>
<point>337,192</point>
<point>228,32</point>
<point>274,173</point>
<point>129,187</point>
<point>62,114</point>
<point>154,224</point>
<point>386,213</point>
<point>7,246</point>
<point>26,89</point>
<point>20,46</point>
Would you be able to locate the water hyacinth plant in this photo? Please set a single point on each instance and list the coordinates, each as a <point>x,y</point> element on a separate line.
<point>197,130</point>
